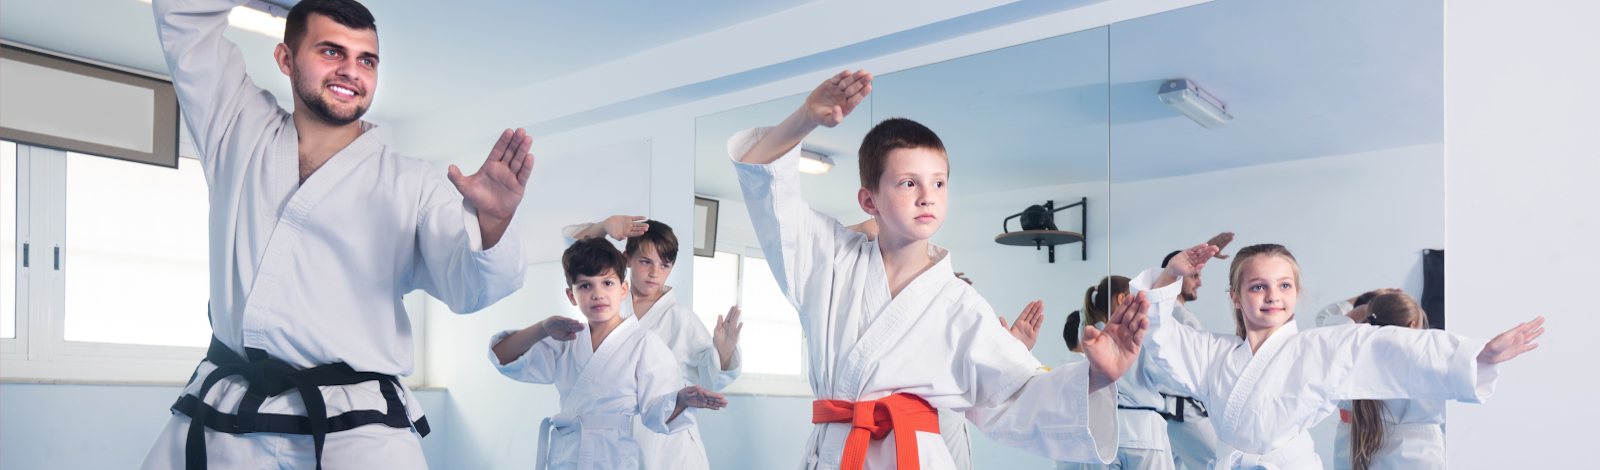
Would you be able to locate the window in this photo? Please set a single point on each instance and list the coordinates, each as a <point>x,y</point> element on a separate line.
<point>8,240</point>
<point>772,343</point>
<point>136,247</point>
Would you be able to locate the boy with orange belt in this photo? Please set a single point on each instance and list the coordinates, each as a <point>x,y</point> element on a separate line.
<point>890,331</point>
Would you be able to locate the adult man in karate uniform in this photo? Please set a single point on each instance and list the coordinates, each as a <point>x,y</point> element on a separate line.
<point>317,229</point>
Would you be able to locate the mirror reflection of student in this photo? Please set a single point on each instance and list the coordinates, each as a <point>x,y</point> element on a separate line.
<point>1193,440</point>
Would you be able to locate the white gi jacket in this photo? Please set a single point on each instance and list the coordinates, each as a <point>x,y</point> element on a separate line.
<point>1263,404</point>
<point>697,357</point>
<point>937,340</point>
<point>313,273</point>
<point>632,373</point>
<point>1413,429</point>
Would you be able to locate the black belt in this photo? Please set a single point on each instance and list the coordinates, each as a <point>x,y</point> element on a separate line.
<point>269,377</point>
<point>1177,414</point>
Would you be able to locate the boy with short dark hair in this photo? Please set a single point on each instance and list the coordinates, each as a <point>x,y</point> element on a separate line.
<point>707,359</point>
<point>890,331</point>
<point>605,377</point>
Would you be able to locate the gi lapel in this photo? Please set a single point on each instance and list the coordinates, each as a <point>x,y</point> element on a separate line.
<point>658,311</point>
<point>603,357</point>
<point>283,242</point>
<point>890,325</point>
<point>1252,372</point>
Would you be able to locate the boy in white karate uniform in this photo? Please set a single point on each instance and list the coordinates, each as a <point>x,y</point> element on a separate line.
<point>605,377</point>
<point>710,360</point>
<point>891,332</point>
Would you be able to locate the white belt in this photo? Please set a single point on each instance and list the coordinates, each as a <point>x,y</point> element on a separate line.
<point>569,420</point>
<point>1286,454</point>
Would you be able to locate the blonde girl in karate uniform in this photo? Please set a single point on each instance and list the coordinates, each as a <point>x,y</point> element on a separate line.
<point>1270,383</point>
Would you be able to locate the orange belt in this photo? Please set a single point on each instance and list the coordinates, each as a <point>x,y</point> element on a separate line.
<point>901,412</point>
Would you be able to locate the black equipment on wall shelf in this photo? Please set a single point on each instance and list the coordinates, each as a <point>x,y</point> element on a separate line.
<point>1039,228</point>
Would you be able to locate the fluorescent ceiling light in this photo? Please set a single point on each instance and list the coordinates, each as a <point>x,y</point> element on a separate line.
<point>814,163</point>
<point>1184,96</point>
<point>257,17</point>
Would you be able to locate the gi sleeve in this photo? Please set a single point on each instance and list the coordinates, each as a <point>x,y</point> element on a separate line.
<point>800,243</point>
<point>220,103</point>
<point>1335,314</point>
<point>1045,412</point>
<point>537,365</point>
<point>703,365</point>
<point>454,266</point>
<point>1392,362</point>
<point>1184,355</point>
<point>659,381</point>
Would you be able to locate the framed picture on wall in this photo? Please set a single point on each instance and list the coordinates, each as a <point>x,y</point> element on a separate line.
<point>705,223</point>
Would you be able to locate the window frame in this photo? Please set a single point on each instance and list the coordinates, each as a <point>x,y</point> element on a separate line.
<point>40,352</point>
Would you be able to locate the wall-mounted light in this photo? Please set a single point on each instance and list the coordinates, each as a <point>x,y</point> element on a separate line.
<point>258,16</point>
<point>814,163</point>
<point>1184,96</point>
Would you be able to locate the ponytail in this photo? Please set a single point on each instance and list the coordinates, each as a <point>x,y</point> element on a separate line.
<point>1366,416</point>
<point>1097,300</point>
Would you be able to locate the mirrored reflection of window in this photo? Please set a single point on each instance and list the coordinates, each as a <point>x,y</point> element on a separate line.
<point>771,338</point>
<point>136,244</point>
<point>8,240</point>
<point>769,321</point>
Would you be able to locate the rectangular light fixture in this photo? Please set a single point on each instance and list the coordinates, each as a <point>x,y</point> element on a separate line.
<point>258,17</point>
<point>814,163</point>
<point>1184,96</point>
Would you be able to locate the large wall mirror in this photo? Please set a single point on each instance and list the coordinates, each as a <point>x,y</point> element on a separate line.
<point>1334,148</point>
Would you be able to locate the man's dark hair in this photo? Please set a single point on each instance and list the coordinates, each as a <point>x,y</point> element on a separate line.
<point>1168,259</point>
<point>891,134</point>
<point>593,257</point>
<point>659,236</point>
<point>349,13</point>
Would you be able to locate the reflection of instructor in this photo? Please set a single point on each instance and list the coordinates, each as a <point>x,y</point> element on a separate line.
<point>1188,425</point>
<point>317,229</point>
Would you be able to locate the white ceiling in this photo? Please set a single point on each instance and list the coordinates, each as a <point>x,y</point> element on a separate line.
<point>435,53</point>
<point>1302,80</point>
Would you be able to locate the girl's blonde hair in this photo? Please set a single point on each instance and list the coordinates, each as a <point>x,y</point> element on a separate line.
<point>1366,416</point>
<point>1236,272</point>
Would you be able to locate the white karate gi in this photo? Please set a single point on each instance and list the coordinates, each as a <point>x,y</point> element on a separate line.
<point>697,357</point>
<point>1264,404</point>
<point>691,346</point>
<point>1141,431</point>
<point>313,273</point>
<point>1193,440</point>
<point>632,373</point>
<point>1413,429</point>
<point>938,339</point>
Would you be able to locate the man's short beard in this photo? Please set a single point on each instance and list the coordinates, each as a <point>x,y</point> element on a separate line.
<point>312,97</point>
<point>1188,296</point>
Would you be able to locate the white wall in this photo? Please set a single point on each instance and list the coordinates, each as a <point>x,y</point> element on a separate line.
<point>1522,147</point>
<point>1354,222</point>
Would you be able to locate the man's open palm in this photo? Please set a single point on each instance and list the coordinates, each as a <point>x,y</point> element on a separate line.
<point>496,189</point>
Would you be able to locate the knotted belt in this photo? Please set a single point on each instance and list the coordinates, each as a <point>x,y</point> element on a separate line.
<point>903,413</point>
<point>576,422</point>
<point>269,377</point>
